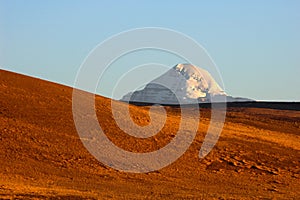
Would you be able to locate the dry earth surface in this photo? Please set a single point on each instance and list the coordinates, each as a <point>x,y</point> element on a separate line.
<point>42,157</point>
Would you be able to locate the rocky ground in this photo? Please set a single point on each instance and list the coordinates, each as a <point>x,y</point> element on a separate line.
<point>41,155</point>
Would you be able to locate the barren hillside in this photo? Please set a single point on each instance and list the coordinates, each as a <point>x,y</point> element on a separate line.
<point>41,155</point>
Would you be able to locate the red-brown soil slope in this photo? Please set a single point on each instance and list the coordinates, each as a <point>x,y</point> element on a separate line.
<point>41,155</point>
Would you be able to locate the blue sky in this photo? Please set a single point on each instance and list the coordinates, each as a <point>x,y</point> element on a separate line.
<point>255,44</point>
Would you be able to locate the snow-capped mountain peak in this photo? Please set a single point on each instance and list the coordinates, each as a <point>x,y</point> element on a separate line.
<point>199,81</point>
<point>183,83</point>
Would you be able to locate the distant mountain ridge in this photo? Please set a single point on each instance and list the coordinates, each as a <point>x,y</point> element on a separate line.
<point>182,84</point>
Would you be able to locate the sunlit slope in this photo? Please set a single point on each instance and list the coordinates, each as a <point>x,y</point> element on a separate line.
<point>41,155</point>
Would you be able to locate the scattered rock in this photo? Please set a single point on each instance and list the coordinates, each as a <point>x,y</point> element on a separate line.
<point>273,172</point>
<point>273,190</point>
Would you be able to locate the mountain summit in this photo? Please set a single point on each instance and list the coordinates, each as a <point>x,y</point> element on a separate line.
<point>184,83</point>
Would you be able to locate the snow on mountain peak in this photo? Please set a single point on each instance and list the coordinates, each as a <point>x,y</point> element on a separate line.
<point>199,79</point>
<point>183,82</point>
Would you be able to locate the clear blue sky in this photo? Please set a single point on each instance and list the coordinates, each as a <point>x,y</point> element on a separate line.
<point>256,44</point>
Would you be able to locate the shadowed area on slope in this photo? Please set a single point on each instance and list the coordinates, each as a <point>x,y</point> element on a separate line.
<point>247,104</point>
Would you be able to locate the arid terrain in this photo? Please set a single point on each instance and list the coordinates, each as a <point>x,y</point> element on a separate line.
<point>42,157</point>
